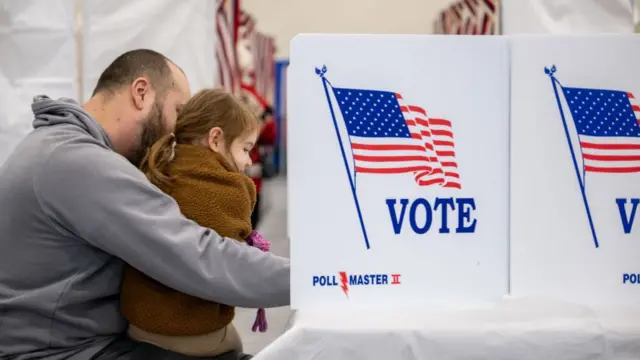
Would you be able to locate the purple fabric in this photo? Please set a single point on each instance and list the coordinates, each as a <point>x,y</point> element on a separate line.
<point>256,239</point>
<point>261,321</point>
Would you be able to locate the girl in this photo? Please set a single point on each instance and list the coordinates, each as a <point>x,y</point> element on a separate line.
<point>201,166</point>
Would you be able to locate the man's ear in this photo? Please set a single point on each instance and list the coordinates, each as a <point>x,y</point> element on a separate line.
<point>140,91</point>
<point>216,140</point>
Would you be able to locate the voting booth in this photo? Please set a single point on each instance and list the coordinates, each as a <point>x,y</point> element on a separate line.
<point>397,170</point>
<point>499,176</point>
<point>575,169</point>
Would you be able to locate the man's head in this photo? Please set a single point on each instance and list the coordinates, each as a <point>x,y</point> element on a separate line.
<point>137,99</point>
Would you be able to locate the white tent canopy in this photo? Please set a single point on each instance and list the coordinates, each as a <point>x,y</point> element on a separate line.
<point>60,47</point>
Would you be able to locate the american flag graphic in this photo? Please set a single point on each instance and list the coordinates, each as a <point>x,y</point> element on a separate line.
<point>227,16</point>
<point>608,127</point>
<point>388,136</point>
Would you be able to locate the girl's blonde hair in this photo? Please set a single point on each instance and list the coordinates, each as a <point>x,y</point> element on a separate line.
<point>206,110</point>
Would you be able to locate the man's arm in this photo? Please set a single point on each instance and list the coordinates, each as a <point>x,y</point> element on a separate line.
<point>100,197</point>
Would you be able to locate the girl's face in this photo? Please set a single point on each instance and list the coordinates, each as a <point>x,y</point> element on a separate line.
<point>239,150</point>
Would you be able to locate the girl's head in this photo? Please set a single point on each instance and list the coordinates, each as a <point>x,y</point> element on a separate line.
<point>212,118</point>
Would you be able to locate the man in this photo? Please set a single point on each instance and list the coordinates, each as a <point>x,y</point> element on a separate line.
<point>74,207</point>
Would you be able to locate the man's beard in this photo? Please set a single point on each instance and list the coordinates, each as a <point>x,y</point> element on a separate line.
<point>153,128</point>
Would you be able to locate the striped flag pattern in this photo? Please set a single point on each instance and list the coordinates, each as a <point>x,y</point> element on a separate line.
<point>247,25</point>
<point>262,77</point>
<point>227,15</point>
<point>264,59</point>
<point>437,138</point>
<point>469,17</point>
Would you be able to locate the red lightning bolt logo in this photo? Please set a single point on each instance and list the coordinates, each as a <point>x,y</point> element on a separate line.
<point>343,281</point>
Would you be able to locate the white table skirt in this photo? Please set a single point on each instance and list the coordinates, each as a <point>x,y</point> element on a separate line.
<point>514,329</point>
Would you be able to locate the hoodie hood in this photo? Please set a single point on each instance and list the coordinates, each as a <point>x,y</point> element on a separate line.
<point>49,112</point>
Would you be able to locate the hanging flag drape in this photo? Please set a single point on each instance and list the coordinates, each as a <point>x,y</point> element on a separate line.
<point>261,78</point>
<point>227,22</point>
<point>469,17</point>
<point>264,73</point>
<point>247,25</point>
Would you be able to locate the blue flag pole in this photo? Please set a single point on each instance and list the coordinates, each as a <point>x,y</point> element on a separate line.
<point>326,84</point>
<point>550,72</point>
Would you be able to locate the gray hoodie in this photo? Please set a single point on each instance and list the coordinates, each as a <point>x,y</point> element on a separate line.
<point>71,210</point>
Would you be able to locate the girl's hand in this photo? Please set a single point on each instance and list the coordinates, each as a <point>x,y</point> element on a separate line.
<point>256,239</point>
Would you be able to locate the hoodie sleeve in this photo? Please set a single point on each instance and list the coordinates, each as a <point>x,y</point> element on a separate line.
<point>99,197</point>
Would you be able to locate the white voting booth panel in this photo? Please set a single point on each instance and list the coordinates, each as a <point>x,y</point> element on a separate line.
<point>575,169</point>
<point>182,30</point>
<point>398,169</point>
<point>38,56</point>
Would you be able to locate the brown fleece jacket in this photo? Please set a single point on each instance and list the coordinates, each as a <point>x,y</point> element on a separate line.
<point>213,194</point>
